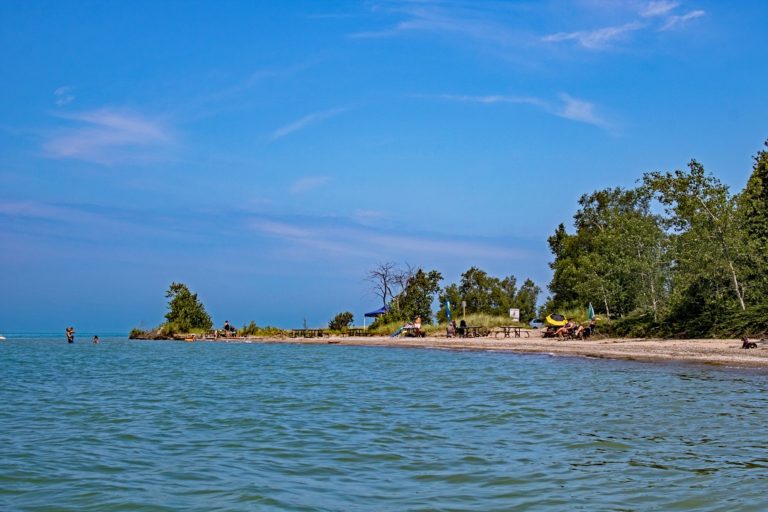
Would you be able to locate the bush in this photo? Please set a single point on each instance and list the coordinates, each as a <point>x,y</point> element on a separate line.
<point>249,330</point>
<point>341,321</point>
<point>136,333</point>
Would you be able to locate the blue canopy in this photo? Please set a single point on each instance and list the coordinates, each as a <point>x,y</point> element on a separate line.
<point>381,311</point>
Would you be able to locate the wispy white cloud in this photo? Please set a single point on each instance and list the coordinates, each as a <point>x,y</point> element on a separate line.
<point>63,96</point>
<point>595,39</point>
<point>368,216</point>
<point>581,111</point>
<point>566,106</point>
<point>478,21</point>
<point>32,210</point>
<point>497,98</point>
<point>678,21</point>
<point>105,136</point>
<point>98,222</point>
<point>306,121</point>
<point>506,27</point>
<point>308,183</point>
<point>369,242</point>
<point>279,229</point>
<point>658,8</point>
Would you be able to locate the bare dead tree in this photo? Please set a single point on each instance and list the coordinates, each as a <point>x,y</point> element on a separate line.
<point>383,277</point>
<point>403,276</point>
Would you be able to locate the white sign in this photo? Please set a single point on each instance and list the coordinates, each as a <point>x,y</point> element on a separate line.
<point>514,314</point>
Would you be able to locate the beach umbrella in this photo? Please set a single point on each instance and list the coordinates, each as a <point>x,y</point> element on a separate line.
<point>448,310</point>
<point>590,312</point>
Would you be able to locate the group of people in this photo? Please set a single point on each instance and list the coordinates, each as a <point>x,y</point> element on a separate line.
<point>452,330</point>
<point>70,332</point>
<point>229,330</point>
<point>576,330</point>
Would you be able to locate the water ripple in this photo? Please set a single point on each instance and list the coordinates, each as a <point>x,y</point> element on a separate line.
<point>177,426</point>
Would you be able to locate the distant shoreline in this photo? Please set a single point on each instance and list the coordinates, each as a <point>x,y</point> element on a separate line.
<point>719,352</point>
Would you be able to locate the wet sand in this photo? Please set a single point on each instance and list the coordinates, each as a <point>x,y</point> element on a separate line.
<point>722,352</point>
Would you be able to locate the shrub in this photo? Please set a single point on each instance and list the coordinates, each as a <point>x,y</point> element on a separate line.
<point>341,321</point>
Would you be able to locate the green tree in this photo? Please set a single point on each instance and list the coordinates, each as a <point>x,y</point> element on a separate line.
<point>487,294</point>
<point>185,311</point>
<point>753,223</point>
<point>701,212</point>
<point>419,294</point>
<point>449,294</point>
<point>565,272</point>
<point>526,299</point>
<point>616,257</point>
<point>476,289</point>
<point>341,321</point>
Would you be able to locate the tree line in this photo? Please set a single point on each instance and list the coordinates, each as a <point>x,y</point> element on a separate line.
<point>407,292</point>
<point>678,254</point>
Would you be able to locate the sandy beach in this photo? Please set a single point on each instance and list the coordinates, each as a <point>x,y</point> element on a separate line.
<point>721,352</point>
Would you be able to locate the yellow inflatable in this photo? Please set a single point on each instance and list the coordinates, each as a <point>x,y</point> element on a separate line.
<point>555,320</point>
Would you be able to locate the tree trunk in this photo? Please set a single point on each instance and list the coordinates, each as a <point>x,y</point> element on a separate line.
<point>605,301</point>
<point>726,253</point>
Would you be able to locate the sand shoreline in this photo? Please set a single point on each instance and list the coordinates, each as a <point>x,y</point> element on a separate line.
<point>720,352</point>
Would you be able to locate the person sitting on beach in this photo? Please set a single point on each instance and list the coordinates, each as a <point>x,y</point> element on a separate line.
<point>584,331</point>
<point>417,325</point>
<point>462,330</point>
<point>450,331</point>
<point>566,329</point>
<point>746,343</point>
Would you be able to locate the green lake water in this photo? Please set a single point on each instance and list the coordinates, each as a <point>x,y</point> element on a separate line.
<point>156,426</point>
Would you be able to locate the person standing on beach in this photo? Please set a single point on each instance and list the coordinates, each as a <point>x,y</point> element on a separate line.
<point>70,334</point>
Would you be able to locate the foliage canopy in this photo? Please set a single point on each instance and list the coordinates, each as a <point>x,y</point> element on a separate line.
<point>677,255</point>
<point>185,311</point>
<point>341,321</point>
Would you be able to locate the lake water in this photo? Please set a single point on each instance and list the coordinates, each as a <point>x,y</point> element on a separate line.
<point>130,425</point>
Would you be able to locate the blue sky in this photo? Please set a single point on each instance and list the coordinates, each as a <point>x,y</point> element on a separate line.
<point>269,153</point>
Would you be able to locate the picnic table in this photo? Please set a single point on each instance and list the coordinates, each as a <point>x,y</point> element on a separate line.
<point>513,330</point>
<point>413,332</point>
<point>474,331</point>
<point>355,331</point>
<point>306,333</point>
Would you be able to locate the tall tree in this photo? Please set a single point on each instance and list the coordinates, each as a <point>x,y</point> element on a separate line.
<point>565,274</point>
<point>419,294</point>
<point>614,259</point>
<point>753,221</point>
<point>475,288</point>
<point>383,277</point>
<point>526,299</point>
<point>701,212</point>
<point>185,311</point>
<point>449,294</point>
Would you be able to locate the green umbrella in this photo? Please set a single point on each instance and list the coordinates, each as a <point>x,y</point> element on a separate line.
<point>590,312</point>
